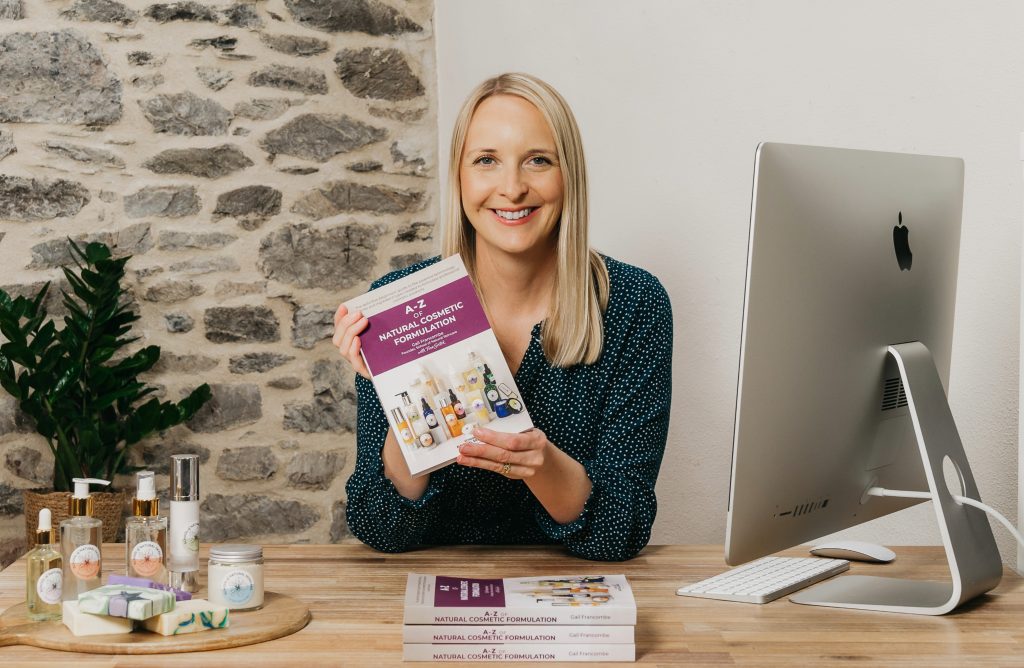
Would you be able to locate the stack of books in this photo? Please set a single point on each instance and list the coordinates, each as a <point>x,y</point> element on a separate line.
<point>550,618</point>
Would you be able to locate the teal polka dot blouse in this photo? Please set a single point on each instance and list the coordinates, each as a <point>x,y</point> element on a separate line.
<point>611,416</point>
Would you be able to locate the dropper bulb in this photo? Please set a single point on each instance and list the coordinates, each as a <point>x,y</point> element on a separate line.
<point>45,521</point>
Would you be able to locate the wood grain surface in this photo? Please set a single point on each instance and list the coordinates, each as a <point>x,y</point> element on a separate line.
<point>355,596</point>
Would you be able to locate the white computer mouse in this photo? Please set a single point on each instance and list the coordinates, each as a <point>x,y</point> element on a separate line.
<point>854,550</point>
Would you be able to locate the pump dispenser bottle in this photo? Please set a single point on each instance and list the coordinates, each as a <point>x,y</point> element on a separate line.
<point>183,534</point>
<point>146,533</point>
<point>81,536</point>
<point>43,581</point>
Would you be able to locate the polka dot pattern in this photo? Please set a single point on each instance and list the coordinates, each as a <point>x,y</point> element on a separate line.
<point>611,416</point>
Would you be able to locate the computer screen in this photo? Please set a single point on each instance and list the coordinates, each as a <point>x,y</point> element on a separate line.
<point>850,252</point>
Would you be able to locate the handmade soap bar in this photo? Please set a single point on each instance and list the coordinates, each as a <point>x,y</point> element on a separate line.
<point>126,601</point>
<point>116,579</point>
<point>82,624</point>
<point>189,617</point>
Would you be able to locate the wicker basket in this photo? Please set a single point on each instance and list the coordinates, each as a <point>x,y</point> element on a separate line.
<point>107,506</point>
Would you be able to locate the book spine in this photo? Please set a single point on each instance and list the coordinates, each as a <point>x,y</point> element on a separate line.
<point>531,652</point>
<point>432,633</point>
<point>577,616</point>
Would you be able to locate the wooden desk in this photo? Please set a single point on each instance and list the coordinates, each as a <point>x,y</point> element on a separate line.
<point>355,595</point>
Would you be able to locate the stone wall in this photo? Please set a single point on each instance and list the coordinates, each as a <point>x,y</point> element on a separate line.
<point>261,161</point>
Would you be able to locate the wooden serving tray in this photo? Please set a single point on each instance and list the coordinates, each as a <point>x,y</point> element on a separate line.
<point>280,616</point>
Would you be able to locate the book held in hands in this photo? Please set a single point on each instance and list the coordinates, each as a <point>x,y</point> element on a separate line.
<point>436,364</point>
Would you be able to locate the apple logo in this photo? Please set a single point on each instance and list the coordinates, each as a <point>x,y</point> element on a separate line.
<point>901,243</point>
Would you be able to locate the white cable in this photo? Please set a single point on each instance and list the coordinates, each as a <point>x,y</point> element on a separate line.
<point>881,491</point>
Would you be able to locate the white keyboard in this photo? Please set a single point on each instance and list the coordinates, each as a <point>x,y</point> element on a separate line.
<point>766,579</point>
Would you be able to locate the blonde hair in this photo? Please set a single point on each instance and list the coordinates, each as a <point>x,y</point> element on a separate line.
<point>573,332</point>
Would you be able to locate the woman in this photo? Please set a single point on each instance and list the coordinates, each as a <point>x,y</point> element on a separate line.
<point>588,338</point>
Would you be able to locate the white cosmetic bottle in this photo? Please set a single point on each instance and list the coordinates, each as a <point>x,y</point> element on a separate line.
<point>183,534</point>
<point>81,537</point>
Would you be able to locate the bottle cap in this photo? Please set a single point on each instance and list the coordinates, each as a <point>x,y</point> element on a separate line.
<point>235,553</point>
<point>397,414</point>
<point>80,503</point>
<point>44,532</point>
<point>184,477</point>
<point>145,503</point>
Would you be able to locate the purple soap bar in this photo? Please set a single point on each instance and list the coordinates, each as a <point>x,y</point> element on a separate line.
<point>116,579</point>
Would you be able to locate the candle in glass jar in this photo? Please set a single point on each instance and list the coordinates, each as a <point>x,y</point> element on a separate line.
<point>235,576</point>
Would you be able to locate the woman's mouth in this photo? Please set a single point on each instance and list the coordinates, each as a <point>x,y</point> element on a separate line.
<point>515,216</point>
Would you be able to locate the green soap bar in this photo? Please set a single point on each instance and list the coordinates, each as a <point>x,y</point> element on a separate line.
<point>126,601</point>
<point>189,617</point>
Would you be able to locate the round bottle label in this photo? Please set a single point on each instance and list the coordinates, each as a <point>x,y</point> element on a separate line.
<point>477,404</point>
<point>492,394</point>
<point>238,587</point>
<point>515,405</point>
<point>431,421</point>
<point>426,439</point>
<point>191,537</point>
<point>407,436</point>
<point>458,408</point>
<point>450,418</point>
<point>50,585</point>
<point>472,379</point>
<point>147,558</point>
<point>85,562</point>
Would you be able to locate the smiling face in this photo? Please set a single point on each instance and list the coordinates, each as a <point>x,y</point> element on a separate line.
<point>510,178</point>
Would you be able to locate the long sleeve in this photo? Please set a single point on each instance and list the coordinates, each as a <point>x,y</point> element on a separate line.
<point>617,518</point>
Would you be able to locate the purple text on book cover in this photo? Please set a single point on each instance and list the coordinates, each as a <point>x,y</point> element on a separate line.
<point>468,593</point>
<point>422,325</point>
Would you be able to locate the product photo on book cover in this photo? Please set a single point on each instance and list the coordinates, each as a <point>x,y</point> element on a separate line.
<point>436,364</point>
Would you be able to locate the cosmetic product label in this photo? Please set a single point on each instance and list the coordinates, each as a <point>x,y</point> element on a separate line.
<point>85,561</point>
<point>238,587</point>
<point>147,558</point>
<point>50,585</point>
<point>191,537</point>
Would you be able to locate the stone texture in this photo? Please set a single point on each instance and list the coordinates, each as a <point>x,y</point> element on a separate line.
<point>367,16</point>
<point>377,74</point>
<point>366,167</point>
<point>174,240</point>
<point>173,363</point>
<point>12,419</point>
<point>86,154</point>
<point>162,202</point>
<point>334,401</point>
<point>229,324</point>
<point>147,81</point>
<point>227,289</point>
<point>339,523</point>
<point>171,291</point>
<point>294,45</point>
<point>179,323</point>
<point>315,470</point>
<point>56,77</point>
<point>320,137</point>
<point>143,58</point>
<point>285,383</point>
<point>7,146</point>
<point>186,114</point>
<point>23,199</point>
<point>181,11</point>
<point>407,156</point>
<point>263,108</point>
<point>257,362</point>
<point>100,11</point>
<point>299,79</point>
<point>214,78</point>
<point>11,10</point>
<point>156,454</point>
<point>300,170</point>
<point>30,464</point>
<point>336,197</point>
<point>52,302</point>
<point>221,43</point>
<point>241,15</point>
<point>229,517</point>
<point>249,203</point>
<point>415,232</point>
<point>11,548</point>
<point>198,266</point>
<point>306,257</point>
<point>131,240</point>
<point>311,324</point>
<point>11,503</point>
<point>407,259</point>
<point>249,463</point>
<point>230,406</point>
<point>211,163</point>
<point>400,115</point>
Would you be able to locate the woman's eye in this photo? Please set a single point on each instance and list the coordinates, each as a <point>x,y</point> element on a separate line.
<point>539,160</point>
<point>485,160</point>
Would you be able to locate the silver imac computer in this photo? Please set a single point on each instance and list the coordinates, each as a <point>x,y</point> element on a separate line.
<point>844,360</point>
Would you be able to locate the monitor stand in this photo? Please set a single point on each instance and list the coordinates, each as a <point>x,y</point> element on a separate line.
<point>974,563</point>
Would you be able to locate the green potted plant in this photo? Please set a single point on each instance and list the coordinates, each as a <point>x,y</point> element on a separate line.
<point>79,384</point>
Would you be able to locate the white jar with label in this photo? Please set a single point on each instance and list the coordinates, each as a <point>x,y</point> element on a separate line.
<point>235,576</point>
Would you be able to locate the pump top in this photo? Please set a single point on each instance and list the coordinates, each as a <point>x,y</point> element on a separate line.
<point>80,503</point>
<point>145,503</point>
<point>82,486</point>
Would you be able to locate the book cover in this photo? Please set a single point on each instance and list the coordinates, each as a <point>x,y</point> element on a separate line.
<point>538,653</point>
<point>561,599</point>
<point>436,365</point>
<point>516,634</point>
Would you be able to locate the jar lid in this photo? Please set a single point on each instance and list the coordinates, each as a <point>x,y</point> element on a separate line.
<point>235,553</point>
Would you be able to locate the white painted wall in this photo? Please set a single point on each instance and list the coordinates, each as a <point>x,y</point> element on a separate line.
<point>673,97</point>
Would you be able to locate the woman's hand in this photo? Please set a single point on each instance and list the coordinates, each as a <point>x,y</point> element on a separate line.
<point>516,456</point>
<point>347,327</point>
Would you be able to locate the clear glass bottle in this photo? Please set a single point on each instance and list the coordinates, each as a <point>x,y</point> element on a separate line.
<point>43,574</point>
<point>81,537</point>
<point>145,533</point>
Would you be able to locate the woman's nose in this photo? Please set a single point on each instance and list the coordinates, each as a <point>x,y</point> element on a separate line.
<point>513,186</point>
